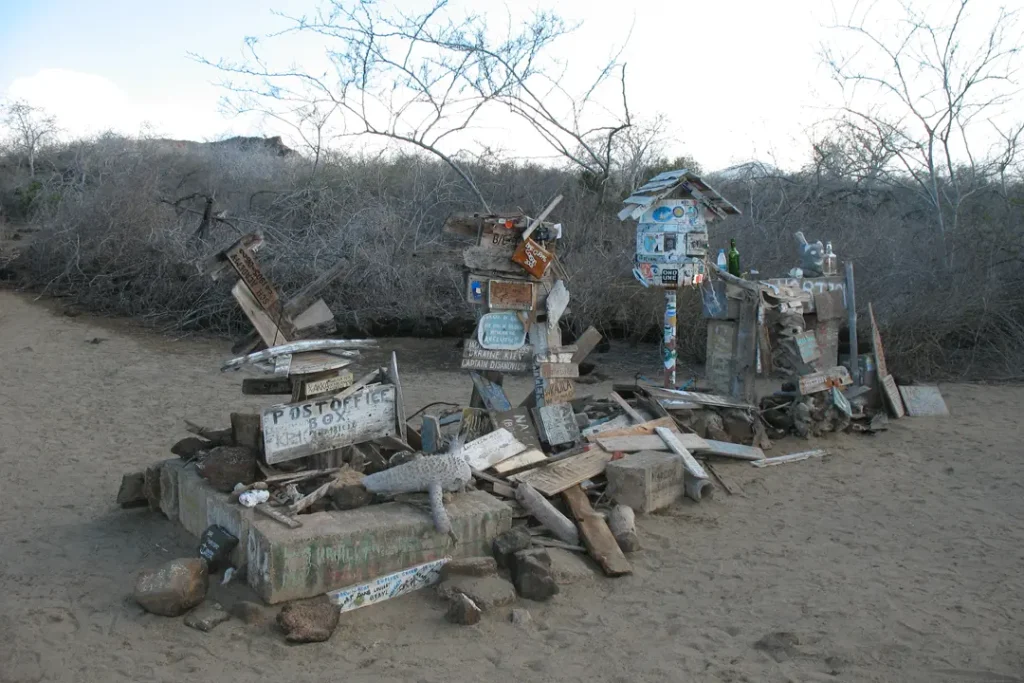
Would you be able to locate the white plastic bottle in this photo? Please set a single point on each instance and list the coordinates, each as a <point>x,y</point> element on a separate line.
<point>723,263</point>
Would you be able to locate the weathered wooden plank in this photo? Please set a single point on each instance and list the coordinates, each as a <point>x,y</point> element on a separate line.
<point>597,537</point>
<point>298,429</point>
<point>628,409</point>
<point>558,476</point>
<point>689,462</point>
<point>311,362</point>
<point>519,422</point>
<point>248,269</point>
<point>649,442</point>
<point>881,368</point>
<point>399,398</point>
<point>892,397</point>
<point>486,258</point>
<point>730,450</point>
<point>923,401</point>
<point>317,314</point>
<point>558,424</point>
<point>491,449</point>
<point>792,457</point>
<point>556,354</point>
<point>520,460</point>
<point>277,516</point>
<point>492,395</point>
<point>269,331</point>
<point>511,295</point>
<point>260,386</point>
<point>544,512</point>
<point>558,370</point>
<point>616,423</point>
<point>535,223</point>
<point>585,344</point>
<point>742,383</point>
<point>344,348</point>
<point>830,305</point>
<point>713,400</point>
<point>634,430</point>
<point>730,486</point>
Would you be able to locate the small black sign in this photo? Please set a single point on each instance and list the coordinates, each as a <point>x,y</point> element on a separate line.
<point>215,546</point>
<point>670,276</point>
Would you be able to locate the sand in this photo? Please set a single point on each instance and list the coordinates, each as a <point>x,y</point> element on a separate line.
<point>897,558</point>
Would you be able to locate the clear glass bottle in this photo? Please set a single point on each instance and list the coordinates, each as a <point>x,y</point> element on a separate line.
<point>830,265</point>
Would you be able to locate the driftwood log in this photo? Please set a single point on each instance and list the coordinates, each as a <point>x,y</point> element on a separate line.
<point>554,521</point>
<point>622,522</point>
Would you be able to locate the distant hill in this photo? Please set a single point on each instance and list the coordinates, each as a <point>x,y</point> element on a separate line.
<point>273,145</point>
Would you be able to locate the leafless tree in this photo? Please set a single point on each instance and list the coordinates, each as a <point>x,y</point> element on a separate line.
<point>422,79</point>
<point>917,94</point>
<point>30,127</point>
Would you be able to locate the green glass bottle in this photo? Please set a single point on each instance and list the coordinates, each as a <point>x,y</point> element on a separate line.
<point>734,258</point>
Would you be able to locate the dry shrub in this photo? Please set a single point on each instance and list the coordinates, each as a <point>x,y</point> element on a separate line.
<point>108,243</point>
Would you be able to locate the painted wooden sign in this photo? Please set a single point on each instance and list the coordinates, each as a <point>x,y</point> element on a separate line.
<point>558,424</point>
<point>558,476</point>
<point>553,370</point>
<point>501,330</point>
<point>519,423</point>
<point>325,385</point>
<point>892,396</point>
<point>534,258</point>
<point>510,295</point>
<point>388,586</point>
<point>476,357</point>
<point>294,430</point>
<point>245,265</point>
<point>491,448</point>
<point>838,376</point>
<point>559,390</point>
<point>491,394</point>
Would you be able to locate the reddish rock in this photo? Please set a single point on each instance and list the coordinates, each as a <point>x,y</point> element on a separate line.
<point>225,466</point>
<point>174,588</point>
<point>309,621</point>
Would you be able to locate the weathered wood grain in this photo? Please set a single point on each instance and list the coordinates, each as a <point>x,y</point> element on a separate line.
<point>689,462</point>
<point>649,442</point>
<point>597,537</point>
<point>558,476</point>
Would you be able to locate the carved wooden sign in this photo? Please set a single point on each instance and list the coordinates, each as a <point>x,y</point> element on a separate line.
<point>245,265</point>
<point>294,430</point>
<point>476,357</point>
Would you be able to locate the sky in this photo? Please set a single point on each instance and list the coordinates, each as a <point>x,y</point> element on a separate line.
<point>738,80</point>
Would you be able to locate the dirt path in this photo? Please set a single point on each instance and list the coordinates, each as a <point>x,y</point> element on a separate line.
<point>896,559</point>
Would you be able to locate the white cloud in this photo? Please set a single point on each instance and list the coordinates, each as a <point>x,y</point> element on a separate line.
<point>84,104</point>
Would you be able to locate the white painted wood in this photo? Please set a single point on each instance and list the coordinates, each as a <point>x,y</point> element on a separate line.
<point>554,521</point>
<point>521,460</point>
<point>317,314</point>
<point>731,450</point>
<point>388,586</point>
<point>491,449</point>
<point>535,223</point>
<point>268,330</point>
<point>792,457</point>
<point>628,409</point>
<point>649,442</point>
<point>689,462</point>
<point>338,346</point>
<point>563,474</point>
<point>294,430</point>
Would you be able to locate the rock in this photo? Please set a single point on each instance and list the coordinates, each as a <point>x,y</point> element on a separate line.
<point>174,588</point>
<point>521,618</point>
<point>462,610</point>
<point>470,566</point>
<point>309,621</point>
<point>531,574</point>
<point>568,567</point>
<point>251,613</point>
<point>190,446</point>
<point>206,617</point>
<point>225,466</point>
<point>350,497</point>
<point>487,592</point>
<point>151,486</point>
<point>714,427</point>
<point>215,546</point>
<point>132,492</point>
<point>508,543</point>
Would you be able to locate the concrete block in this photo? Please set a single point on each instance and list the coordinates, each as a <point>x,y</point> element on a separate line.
<point>200,505</point>
<point>169,487</point>
<point>332,550</point>
<point>647,480</point>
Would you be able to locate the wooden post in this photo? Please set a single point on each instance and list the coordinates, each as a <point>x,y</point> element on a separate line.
<point>851,309</point>
<point>668,344</point>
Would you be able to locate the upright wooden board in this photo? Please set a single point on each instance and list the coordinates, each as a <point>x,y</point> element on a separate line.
<point>923,401</point>
<point>558,424</point>
<point>317,314</point>
<point>519,423</point>
<point>892,397</point>
<point>430,435</point>
<point>558,370</point>
<point>586,343</point>
<point>876,345</point>
<point>598,538</point>
<point>510,295</point>
<point>490,393</point>
<point>245,265</point>
<point>558,476</point>
<point>269,332</point>
<point>399,399</point>
<point>830,305</point>
<point>298,429</point>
